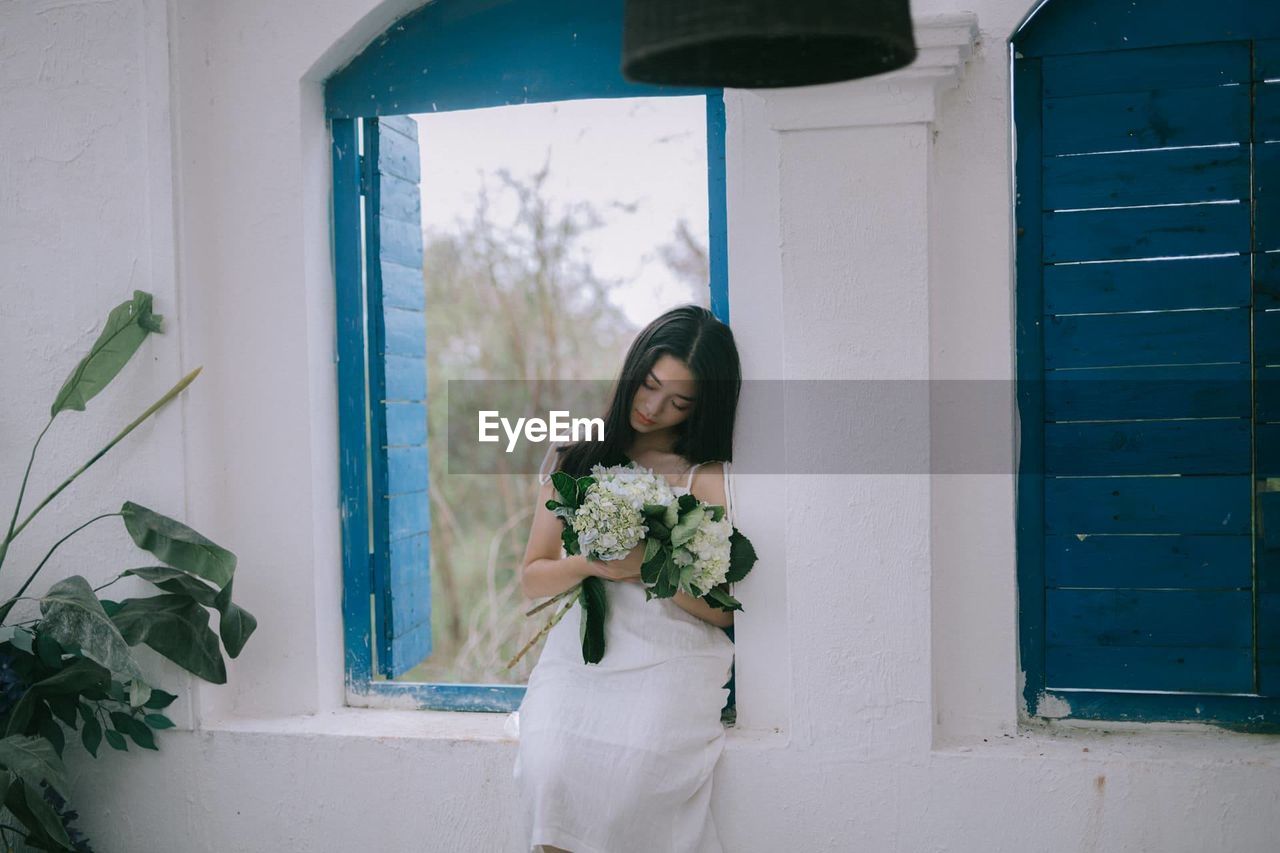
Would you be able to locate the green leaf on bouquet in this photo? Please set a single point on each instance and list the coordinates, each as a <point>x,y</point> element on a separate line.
<point>686,503</point>
<point>671,515</point>
<point>742,556</point>
<point>720,597</point>
<point>654,510</point>
<point>717,511</point>
<point>570,540</point>
<point>688,526</point>
<point>584,483</point>
<point>652,562</point>
<point>594,611</point>
<point>566,487</point>
<point>664,584</point>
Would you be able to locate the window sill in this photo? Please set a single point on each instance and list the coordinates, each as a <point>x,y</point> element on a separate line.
<point>1196,743</point>
<point>453,726</point>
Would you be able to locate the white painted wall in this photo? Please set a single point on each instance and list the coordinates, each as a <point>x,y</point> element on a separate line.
<point>179,146</point>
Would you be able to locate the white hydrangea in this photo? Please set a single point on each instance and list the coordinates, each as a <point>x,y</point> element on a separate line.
<point>609,523</point>
<point>704,559</point>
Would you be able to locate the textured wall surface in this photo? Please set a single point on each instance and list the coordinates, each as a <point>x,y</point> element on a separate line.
<point>179,146</point>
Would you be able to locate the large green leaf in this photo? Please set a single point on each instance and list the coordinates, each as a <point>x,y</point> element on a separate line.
<point>719,597</point>
<point>235,623</point>
<point>594,611</point>
<point>73,615</point>
<point>178,545</point>
<point>742,556</point>
<point>76,677</point>
<point>28,804</point>
<point>176,627</point>
<point>126,327</point>
<point>33,758</point>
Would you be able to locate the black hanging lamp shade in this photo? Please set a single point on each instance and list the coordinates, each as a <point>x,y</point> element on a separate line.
<point>753,44</point>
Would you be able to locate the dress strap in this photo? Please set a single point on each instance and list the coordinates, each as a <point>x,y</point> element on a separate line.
<point>728,492</point>
<point>689,485</point>
<point>543,474</point>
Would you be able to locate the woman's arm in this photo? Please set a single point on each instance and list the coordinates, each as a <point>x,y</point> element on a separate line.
<point>543,572</point>
<point>705,612</point>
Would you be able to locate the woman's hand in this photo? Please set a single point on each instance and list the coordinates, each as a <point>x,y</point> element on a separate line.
<point>626,570</point>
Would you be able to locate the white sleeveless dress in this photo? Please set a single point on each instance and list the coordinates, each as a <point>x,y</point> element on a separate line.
<point>617,757</point>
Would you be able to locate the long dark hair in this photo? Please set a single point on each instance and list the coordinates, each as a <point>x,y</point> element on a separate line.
<point>696,337</point>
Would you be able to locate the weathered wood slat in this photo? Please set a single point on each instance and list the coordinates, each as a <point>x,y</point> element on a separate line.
<point>1181,66</point>
<point>1150,447</point>
<point>1158,176</point>
<point>1148,285</point>
<point>409,514</point>
<point>405,332</point>
<point>410,576</point>
<point>1193,670</point>
<point>1168,337</point>
<point>402,286</point>
<point>1146,232</point>
<point>1189,505</point>
<point>1266,338</point>
<point>1266,157</point>
<point>1266,59</point>
<point>1173,561</point>
<point>406,378</point>
<point>407,468</point>
<point>1267,402</point>
<point>1132,393</point>
<point>406,424</point>
<point>1086,26</point>
<point>1204,618</point>
<point>400,200</point>
<point>402,244</point>
<point>1152,119</point>
<point>1266,120</point>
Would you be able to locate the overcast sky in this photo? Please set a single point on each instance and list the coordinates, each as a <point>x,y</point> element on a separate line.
<point>650,152</point>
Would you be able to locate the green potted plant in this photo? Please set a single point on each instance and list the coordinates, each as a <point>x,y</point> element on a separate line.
<point>72,666</point>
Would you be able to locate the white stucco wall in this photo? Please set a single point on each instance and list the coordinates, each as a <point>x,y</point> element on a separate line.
<point>180,147</point>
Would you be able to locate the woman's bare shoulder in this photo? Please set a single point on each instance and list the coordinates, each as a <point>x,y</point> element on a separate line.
<point>708,483</point>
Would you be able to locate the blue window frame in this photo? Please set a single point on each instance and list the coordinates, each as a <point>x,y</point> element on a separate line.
<point>1147,276</point>
<point>457,54</point>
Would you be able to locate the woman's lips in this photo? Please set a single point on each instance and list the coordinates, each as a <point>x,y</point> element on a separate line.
<point>642,419</point>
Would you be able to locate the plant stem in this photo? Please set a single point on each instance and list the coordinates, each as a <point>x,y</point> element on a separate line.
<point>550,624</point>
<point>151,410</point>
<point>4,545</point>
<point>23,588</point>
<point>552,600</point>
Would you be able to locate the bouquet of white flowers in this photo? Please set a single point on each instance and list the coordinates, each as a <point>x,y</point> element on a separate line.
<point>692,548</point>
<point>604,518</point>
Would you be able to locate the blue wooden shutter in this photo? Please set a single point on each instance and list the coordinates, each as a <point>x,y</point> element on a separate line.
<point>1148,434</point>
<point>401,514</point>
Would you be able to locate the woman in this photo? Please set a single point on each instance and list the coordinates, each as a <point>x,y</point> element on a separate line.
<point>617,757</point>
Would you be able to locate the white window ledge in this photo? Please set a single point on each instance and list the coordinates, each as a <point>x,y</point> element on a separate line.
<point>467,726</point>
<point>1196,743</point>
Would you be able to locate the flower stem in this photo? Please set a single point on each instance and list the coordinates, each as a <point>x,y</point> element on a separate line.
<point>552,600</point>
<point>550,624</point>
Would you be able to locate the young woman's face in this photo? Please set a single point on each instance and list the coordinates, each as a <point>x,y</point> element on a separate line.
<point>665,397</point>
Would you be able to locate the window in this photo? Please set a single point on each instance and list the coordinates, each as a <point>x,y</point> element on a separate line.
<point>1148,347</point>
<point>467,55</point>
